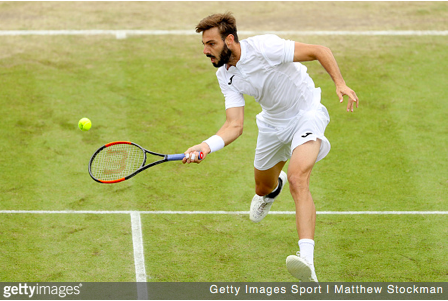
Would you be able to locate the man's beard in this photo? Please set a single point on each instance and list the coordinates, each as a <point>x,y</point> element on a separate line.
<point>224,57</point>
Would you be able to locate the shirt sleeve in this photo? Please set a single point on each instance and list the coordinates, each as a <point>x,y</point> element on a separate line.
<point>232,97</point>
<point>277,50</point>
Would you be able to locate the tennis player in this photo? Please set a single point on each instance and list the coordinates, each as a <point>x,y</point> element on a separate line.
<point>291,125</point>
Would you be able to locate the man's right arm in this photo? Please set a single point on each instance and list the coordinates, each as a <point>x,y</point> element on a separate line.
<point>233,126</point>
<point>229,132</point>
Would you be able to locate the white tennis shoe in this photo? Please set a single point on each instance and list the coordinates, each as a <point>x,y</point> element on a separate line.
<point>261,205</point>
<point>300,268</point>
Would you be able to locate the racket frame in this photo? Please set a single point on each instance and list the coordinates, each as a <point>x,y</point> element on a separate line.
<point>143,167</point>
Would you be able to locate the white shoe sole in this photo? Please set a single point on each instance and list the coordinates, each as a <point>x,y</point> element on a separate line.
<point>284,178</point>
<point>300,269</point>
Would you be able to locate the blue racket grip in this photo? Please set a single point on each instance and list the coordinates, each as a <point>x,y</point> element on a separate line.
<point>178,157</point>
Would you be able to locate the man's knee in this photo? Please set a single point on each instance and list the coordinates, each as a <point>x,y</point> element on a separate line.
<point>298,182</point>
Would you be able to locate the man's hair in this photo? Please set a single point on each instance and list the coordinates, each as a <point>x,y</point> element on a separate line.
<point>226,24</point>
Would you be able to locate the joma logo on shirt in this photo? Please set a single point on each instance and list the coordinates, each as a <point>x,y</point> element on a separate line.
<point>231,80</point>
<point>306,135</point>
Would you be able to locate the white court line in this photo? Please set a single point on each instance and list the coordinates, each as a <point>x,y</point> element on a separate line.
<point>293,212</point>
<point>137,235</point>
<point>139,258</point>
<point>219,212</point>
<point>121,34</point>
<point>137,241</point>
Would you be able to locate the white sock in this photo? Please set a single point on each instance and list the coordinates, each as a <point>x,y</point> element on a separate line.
<point>306,247</point>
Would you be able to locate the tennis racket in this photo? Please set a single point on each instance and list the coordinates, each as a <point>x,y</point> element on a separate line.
<point>121,160</point>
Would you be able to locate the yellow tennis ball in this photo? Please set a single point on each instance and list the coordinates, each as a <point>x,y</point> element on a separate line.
<point>84,124</point>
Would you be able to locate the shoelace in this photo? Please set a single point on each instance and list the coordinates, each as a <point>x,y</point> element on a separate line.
<point>261,208</point>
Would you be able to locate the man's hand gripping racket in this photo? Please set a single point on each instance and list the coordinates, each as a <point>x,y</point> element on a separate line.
<point>119,161</point>
<point>196,153</point>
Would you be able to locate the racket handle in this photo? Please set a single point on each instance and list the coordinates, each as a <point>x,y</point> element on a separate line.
<point>178,157</point>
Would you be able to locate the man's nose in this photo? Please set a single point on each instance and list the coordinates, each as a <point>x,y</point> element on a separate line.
<point>206,50</point>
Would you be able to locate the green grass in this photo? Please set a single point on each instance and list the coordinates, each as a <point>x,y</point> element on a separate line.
<point>66,247</point>
<point>161,93</point>
<point>348,248</point>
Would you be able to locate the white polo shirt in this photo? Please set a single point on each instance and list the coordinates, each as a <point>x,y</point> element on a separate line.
<point>267,72</point>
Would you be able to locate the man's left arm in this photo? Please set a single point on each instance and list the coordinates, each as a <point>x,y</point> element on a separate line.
<point>307,52</point>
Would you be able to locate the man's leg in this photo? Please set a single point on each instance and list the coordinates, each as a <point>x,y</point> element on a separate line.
<point>299,173</point>
<point>268,185</point>
<point>267,180</point>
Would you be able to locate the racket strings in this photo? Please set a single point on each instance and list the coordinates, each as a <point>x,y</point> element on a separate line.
<point>117,161</point>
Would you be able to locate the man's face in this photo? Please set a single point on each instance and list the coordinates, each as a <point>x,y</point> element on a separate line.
<point>215,48</point>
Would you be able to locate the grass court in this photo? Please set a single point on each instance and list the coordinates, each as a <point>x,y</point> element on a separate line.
<point>160,92</point>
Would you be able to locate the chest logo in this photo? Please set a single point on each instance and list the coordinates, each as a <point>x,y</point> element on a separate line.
<point>230,82</point>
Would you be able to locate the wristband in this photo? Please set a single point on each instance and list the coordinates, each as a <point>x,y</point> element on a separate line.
<point>215,143</point>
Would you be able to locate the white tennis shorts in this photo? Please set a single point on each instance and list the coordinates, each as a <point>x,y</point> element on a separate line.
<point>277,144</point>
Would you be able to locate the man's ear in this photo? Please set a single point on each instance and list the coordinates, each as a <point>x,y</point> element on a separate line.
<point>230,39</point>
